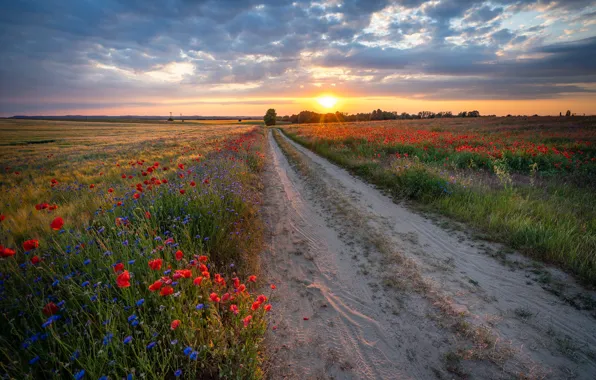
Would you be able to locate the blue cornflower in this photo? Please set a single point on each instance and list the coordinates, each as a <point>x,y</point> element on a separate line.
<point>129,377</point>
<point>151,345</point>
<point>103,378</point>
<point>87,262</point>
<point>200,306</point>
<point>55,283</point>
<point>131,262</point>
<point>194,355</point>
<point>79,375</point>
<point>140,302</point>
<point>107,339</point>
<point>178,373</point>
<point>86,283</point>
<point>108,253</point>
<point>101,229</point>
<point>128,339</point>
<point>174,342</point>
<point>187,351</point>
<point>125,243</point>
<point>34,360</point>
<point>75,355</point>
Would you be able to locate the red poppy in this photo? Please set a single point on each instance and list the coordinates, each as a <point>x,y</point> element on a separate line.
<point>2,217</point>
<point>181,166</point>
<point>185,273</point>
<point>164,181</point>
<point>42,206</point>
<point>147,215</point>
<point>175,323</point>
<point>57,224</point>
<point>123,280</point>
<point>197,281</point>
<point>53,207</point>
<point>30,244</point>
<point>267,307</point>
<point>182,191</point>
<point>252,278</point>
<point>225,297</point>
<point>203,259</point>
<point>179,255</point>
<point>261,299</point>
<point>206,181</point>
<point>242,288</point>
<point>214,297</point>
<point>247,320</point>
<point>35,260</point>
<point>119,204</point>
<point>234,309</point>
<point>50,309</point>
<point>110,190</point>
<point>255,305</point>
<point>193,183</point>
<point>118,267</point>
<point>236,282</point>
<point>166,291</point>
<point>123,176</point>
<point>6,252</point>
<point>136,196</point>
<point>155,286</point>
<point>273,287</point>
<point>155,264</point>
<point>91,186</point>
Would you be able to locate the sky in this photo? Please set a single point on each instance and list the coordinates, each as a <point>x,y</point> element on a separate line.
<point>233,57</point>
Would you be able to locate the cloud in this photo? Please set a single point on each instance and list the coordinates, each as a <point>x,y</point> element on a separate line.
<point>178,49</point>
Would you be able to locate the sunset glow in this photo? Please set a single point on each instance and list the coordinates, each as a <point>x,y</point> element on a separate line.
<point>327,101</point>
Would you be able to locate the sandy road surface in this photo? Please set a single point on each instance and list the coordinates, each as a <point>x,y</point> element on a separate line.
<point>368,289</point>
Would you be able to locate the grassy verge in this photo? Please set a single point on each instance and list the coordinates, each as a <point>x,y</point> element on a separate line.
<point>133,257</point>
<point>553,223</point>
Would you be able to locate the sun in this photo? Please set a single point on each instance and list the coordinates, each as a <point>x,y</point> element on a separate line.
<point>327,101</point>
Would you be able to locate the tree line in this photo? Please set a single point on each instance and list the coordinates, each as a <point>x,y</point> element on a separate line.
<point>315,117</point>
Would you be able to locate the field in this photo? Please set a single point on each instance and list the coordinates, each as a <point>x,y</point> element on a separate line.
<point>130,250</point>
<point>529,182</point>
<point>230,250</point>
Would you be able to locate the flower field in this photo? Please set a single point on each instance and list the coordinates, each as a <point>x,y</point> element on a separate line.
<point>529,182</point>
<point>129,251</point>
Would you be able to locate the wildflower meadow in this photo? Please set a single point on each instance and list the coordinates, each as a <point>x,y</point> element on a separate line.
<point>129,251</point>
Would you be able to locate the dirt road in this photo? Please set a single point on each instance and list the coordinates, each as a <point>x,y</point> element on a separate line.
<point>367,289</point>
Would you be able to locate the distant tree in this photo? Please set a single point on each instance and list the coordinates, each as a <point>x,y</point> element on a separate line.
<point>285,118</point>
<point>568,113</point>
<point>240,120</point>
<point>270,117</point>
